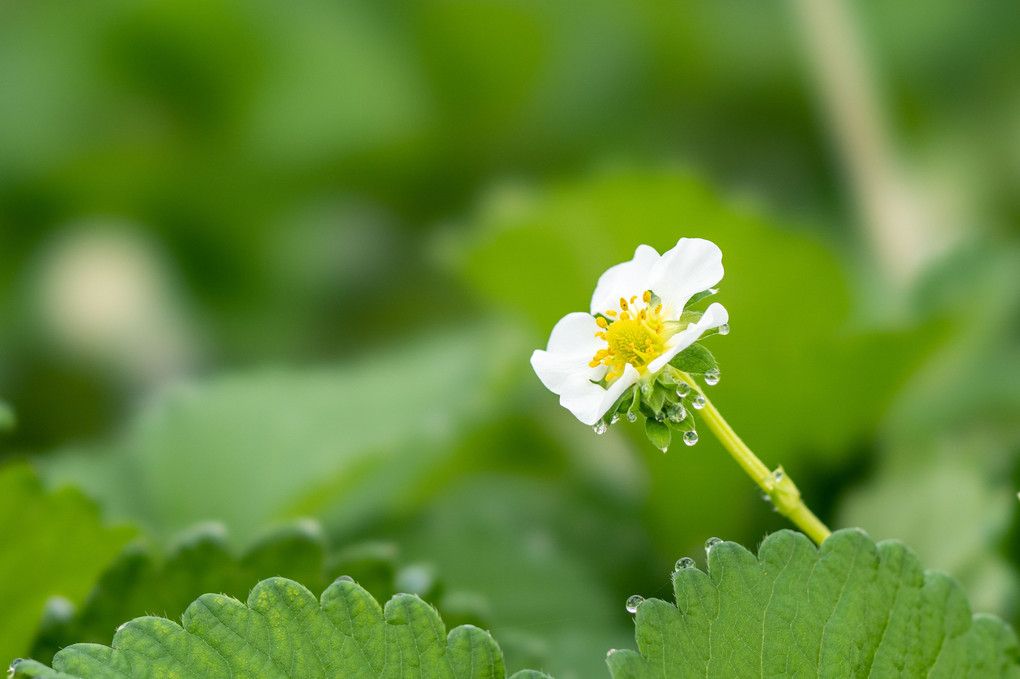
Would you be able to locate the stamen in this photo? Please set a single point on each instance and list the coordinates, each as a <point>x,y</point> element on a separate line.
<point>623,304</point>
<point>601,322</point>
<point>612,312</point>
<point>647,297</point>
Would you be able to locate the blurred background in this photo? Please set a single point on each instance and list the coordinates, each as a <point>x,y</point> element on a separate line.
<point>264,262</point>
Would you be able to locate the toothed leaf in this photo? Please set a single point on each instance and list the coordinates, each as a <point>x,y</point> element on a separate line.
<point>849,609</point>
<point>283,632</point>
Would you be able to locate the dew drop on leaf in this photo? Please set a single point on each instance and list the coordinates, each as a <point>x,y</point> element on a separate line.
<point>710,543</point>
<point>631,416</point>
<point>698,401</point>
<point>690,437</point>
<point>633,602</point>
<point>683,389</point>
<point>601,428</point>
<point>724,329</point>
<point>712,378</point>
<point>684,563</point>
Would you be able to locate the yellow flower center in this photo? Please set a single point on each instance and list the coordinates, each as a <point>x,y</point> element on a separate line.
<point>634,335</point>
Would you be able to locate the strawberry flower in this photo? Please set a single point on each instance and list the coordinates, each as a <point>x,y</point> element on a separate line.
<point>638,323</point>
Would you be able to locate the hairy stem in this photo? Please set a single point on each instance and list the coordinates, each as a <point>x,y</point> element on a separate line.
<point>776,484</point>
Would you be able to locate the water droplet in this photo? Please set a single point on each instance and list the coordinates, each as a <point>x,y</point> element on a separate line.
<point>683,389</point>
<point>724,329</point>
<point>710,543</point>
<point>684,563</point>
<point>765,496</point>
<point>690,437</point>
<point>698,401</point>
<point>601,428</point>
<point>633,602</point>
<point>344,578</point>
<point>664,449</point>
<point>712,378</point>
<point>122,626</point>
<point>631,416</point>
<point>778,476</point>
<point>678,413</point>
<point>14,664</point>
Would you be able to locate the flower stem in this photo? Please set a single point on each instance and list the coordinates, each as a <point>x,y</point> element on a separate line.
<point>776,484</point>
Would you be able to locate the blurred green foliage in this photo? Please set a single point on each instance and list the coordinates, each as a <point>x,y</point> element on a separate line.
<point>260,262</point>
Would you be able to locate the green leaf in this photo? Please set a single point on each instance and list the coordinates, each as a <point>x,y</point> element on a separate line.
<point>658,433</point>
<point>283,631</point>
<point>695,360</point>
<point>849,609</point>
<point>137,583</point>
<point>54,544</point>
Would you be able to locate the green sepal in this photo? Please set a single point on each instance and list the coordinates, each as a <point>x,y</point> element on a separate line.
<point>686,424</point>
<point>657,398</point>
<point>695,360</point>
<point>689,317</point>
<point>698,296</point>
<point>658,433</point>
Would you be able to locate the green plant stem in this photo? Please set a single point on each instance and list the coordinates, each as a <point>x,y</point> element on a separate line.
<point>776,484</point>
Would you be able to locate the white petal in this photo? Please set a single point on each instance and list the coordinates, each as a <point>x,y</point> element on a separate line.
<point>564,370</point>
<point>714,316</point>
<point>589,402</point>
<point>693,265</point>
<point>624,280</point>
<point>572,344</point>
<point>575,334</point>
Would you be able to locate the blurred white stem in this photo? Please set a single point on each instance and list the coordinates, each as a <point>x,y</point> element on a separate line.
<point>891,213</point>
